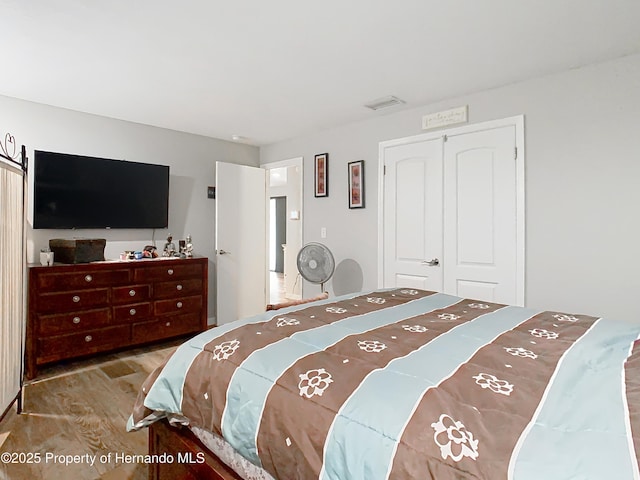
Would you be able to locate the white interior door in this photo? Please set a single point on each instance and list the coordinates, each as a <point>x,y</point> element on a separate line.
<point>480,215</point>
<point>453,212</point>
<point>413,215</point>
<point>241,241</point>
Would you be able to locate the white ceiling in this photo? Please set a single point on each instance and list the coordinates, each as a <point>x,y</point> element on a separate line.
<point>272,70</point>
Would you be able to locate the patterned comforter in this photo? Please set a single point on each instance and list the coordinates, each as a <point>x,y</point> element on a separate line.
<point>407,384</point>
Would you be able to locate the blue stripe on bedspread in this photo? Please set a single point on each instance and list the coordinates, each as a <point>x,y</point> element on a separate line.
<point>359,429</point>
<point>166,393</point>
<point>582,426</point>
<point>253,380</point>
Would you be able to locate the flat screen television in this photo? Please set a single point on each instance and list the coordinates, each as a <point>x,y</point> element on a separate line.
<point>74,191</point>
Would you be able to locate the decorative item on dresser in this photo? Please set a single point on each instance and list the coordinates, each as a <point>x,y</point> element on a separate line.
<point>77,250</point>
<point>83,309</point>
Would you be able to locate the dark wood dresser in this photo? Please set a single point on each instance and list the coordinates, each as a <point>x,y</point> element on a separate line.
<point>82,309</point>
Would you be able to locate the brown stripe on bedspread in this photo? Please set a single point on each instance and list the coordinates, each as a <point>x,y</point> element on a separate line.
<point>632,384</point>
<point>290,416</point>
<point>204,402</point>
<point>469,425</point>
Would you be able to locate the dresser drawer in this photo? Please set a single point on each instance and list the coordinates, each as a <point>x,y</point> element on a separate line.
<point>134,311</point>
<point>47,282</point>
<point>130,294</point>
<point>72,301</point>
<point>49,325</point>
<point>168,271</point>
<point>178,305</point>
<point>76,344</point>
<point>165,328</point>
<point>178,288</point>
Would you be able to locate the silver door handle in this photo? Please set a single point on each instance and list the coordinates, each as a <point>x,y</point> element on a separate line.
<point>223,252</point>
<point>432,263</point>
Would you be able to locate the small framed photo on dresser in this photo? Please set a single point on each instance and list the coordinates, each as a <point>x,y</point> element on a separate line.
<point>356,184</point>
<point>321,169</point>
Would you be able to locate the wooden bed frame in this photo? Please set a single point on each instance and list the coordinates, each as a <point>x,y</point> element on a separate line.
<point>191,459</point>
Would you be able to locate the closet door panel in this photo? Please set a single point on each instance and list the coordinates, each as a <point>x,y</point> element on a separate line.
<point>413,210</point>
<point>480,215</point>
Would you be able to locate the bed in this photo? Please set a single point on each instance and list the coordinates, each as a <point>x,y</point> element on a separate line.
<point>399,383</point>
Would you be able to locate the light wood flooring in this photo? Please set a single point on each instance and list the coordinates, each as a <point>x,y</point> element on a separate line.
<point>81,408</point>
<point>277,292</point>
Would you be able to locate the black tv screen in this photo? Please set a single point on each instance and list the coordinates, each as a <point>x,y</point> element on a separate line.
<point>74,191</point>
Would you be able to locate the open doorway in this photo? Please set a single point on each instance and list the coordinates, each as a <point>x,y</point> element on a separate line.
<point>284,225</point>
<point>277,246</point>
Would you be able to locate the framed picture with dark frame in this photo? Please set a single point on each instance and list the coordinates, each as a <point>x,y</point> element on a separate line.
<point>356,184</point>
<point>321,178</point>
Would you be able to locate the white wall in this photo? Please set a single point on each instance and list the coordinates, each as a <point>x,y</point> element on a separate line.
<point>582,137</point>
<point>191,159</point>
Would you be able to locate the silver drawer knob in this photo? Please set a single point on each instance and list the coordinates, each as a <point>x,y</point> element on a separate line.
<point>132,311</point>
<point>168,324</point>
<point>179,304</point>
<point>76,299</point>
<point>88,278</point>
<point>132,293</point>
<point>76,320</point>
<point>88,338</point>
<point>170,271</point>
<point>178,287</point>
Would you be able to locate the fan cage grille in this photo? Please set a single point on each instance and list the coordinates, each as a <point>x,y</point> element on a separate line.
<point>315,263</point>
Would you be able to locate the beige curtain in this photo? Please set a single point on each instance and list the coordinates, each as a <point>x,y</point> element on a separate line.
<point>12,280</point>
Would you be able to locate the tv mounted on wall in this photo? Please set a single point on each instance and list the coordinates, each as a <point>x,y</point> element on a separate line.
<point>74,191</point>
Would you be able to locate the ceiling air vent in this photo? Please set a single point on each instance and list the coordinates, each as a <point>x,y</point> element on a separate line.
<point>384,102</point>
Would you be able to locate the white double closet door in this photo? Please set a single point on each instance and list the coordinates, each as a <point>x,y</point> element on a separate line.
<point>453,212</point>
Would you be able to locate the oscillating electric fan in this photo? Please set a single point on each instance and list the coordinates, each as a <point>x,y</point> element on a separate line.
<point>315,263</point>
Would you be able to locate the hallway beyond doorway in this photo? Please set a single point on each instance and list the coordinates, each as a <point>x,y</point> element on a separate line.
<point>276,287</point>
